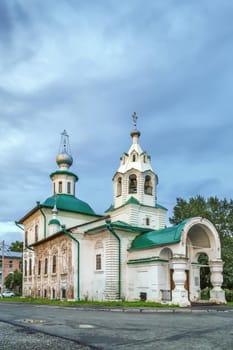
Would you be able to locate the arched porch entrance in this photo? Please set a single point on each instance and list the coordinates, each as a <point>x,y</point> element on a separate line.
<point>203,253</point>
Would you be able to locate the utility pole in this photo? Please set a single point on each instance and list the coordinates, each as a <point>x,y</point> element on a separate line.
<point>3,248</point>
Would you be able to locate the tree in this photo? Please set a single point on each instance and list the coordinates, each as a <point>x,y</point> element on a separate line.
<point>220,213</point>
<point>14,281</point>
<point>16,246</point>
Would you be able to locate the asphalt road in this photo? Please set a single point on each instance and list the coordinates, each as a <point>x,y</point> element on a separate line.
<point>26,326</point>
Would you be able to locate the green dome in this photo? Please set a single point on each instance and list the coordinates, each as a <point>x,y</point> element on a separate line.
<point>54,222</point>
<point>69,203</point>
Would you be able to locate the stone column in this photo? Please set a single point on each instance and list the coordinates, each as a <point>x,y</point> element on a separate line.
<point>179,294</point>
<point>217,294</point>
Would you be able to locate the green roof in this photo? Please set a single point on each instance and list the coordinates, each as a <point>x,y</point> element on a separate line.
<point>169,235</point>
<point>133,200</point>
<point>64,172</point>
<point>69,203</point>
<point>121,226</point>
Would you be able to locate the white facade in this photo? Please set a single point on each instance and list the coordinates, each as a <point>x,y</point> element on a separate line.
<point>127,254</point>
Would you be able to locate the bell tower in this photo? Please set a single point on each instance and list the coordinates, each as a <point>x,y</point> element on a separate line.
<point>135,187</point>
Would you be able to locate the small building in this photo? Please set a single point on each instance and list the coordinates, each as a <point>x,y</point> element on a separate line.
<point>10,262</point>
<point>70,252</point>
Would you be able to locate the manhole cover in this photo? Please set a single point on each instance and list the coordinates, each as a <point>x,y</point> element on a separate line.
<point>34,321</point>
<point>86,326</point>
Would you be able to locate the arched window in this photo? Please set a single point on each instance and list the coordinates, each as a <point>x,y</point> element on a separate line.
<point>46,266</point>
<point>119,186</point>
<point>148,185</point>
<point>134,158</point>
<point>60,186</point>
<point>36,233</point>
<point>133,183</point>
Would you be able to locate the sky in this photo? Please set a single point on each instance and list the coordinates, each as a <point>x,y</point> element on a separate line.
<point>86,66</point>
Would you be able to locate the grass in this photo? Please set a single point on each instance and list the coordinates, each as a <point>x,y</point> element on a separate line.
<point>84,302</point>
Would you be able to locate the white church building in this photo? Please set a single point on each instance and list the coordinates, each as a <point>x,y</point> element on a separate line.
<point>129,254</point>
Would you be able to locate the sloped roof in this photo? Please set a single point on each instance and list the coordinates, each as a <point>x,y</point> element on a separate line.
<point>169,235</point>
<point>133,200</point>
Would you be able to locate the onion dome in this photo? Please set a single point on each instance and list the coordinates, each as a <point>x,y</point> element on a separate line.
<point>64,160</point>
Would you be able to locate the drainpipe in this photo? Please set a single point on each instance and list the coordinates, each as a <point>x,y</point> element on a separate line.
<point>110,229</point>
<point>40,209</point>
<point>78,251</point>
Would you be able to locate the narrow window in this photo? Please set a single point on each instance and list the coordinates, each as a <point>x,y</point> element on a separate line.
<point>10,264</point>
<point>36,233</point>
<point>119,186</point>
<point>68,187</point>
<point>20,265</point>
<point>54,188</point>
<point>25,267</point>
<point>147,221</point>
<point>46,266</point>
<point>45,293</point>
<point>26,238</point>
<point>30,267</point>
<point>98,261</point>
<point>54,264</point>
<point>38,293</point>
<point>148,185</point>
<point>39,267</point>
<point>0,263</point>
<point>53,293</point>
<point>132,183</point>
<point>63,293</point>
<point>134,157</point>
<point>60,187</point>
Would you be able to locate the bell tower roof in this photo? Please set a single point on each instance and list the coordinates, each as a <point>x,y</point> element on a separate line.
<point>136,158</point>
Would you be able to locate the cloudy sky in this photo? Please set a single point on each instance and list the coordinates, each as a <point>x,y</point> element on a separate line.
<point>86,66</point>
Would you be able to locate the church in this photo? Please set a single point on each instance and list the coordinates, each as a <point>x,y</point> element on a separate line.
<point>129,254</point>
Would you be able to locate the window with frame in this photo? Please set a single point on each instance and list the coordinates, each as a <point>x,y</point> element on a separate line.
<point>60,186</point>
<point>46,266</point>
<point>133,183</point>
<point>54,265</point>
<point>98,265</point>
<point>119,186</point>
<point>0,263</point>
<point>68,187</point>
<point>36,233</point>
<point>39,267</point>
<point>148,221</point>
<point>148,185</point>
<point>10,264</point>
<point>26,238</point>
<point>25,267</point>
<point>30,267</point>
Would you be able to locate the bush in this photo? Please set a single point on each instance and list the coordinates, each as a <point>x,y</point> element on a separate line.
<point>229,294</point>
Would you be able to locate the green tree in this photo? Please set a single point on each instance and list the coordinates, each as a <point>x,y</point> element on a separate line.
<point>13,281</point>
<point>220,213</point>
<point>16,246</point>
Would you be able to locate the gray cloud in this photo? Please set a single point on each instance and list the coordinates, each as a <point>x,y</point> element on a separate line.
<point>86,67</point>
